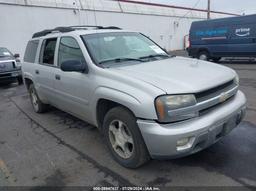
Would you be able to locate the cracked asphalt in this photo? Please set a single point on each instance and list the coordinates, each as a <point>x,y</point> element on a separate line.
<point>57,149</point>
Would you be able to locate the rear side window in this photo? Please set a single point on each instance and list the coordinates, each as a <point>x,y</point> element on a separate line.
<point>30,53</point>
<point>48,51</point>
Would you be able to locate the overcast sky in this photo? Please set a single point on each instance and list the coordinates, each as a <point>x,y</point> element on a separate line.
<point>233,6</point>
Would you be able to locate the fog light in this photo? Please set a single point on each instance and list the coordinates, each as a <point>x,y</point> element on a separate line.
<point>182,141</point>
<point>185,143</point>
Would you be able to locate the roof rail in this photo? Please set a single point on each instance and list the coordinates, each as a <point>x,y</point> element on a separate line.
<point>112,27</point>
<point>85,27</point>
<point>94,26</point>
<point>71,28</point>
<point>48,31</point>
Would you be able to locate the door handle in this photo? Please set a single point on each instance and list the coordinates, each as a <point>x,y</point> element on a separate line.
<point>57,77</point>
<point>37,71</point>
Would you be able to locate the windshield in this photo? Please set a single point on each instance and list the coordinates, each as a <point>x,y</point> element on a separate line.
<point>116,47</point>
<point>4,52</point>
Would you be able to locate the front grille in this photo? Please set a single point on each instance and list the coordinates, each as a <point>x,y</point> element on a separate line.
<point>213,92</point>
<point>7,66</point>
<point>209,109</point>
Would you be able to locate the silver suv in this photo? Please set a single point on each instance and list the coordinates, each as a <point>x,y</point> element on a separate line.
<point>147,103</point>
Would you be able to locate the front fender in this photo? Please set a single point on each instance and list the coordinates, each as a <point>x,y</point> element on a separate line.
<point>139,107</point>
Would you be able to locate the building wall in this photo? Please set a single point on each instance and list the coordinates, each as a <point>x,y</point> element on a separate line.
<point>19,19</point>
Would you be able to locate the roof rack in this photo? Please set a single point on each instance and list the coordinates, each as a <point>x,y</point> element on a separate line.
<point>86,27</point>
<point>71,28</point>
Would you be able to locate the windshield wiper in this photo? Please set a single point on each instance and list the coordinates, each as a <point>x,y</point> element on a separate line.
<point>156,55</point>
<point>116,60</point>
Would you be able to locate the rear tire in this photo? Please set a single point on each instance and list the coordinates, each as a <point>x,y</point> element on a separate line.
<point>38,105</point>
<point>203,55</point>
<point>124,138</point>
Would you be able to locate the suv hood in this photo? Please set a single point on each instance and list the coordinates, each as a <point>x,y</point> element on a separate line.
<point>179,75</point>
<point>3,58</point>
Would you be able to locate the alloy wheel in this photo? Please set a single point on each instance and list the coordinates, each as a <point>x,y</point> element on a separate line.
<point>121,139</point>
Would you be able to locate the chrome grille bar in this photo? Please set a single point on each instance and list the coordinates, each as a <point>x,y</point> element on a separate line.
<point>205,104</point>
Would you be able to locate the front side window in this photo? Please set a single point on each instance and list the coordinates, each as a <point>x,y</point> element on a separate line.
<point>30,53</point>
<point>48,51</point>
<point>69,50</point>
<point>116,47</point>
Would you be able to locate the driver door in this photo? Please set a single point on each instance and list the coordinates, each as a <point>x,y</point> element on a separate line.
<point>72,88</point>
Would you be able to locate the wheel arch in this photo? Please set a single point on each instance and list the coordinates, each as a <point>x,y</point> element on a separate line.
<point>106,98</point>
<point>104,106</point>
<point>203,50</point>
<point>28,82</point>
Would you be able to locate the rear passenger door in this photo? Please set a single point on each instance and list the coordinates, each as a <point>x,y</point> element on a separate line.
<point>72,88</point>
<point>44,72</point>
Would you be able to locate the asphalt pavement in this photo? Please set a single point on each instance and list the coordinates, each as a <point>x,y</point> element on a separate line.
<point>57,149</point>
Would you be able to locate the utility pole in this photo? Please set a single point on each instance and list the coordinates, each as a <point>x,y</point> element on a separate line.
<point>209,9</point>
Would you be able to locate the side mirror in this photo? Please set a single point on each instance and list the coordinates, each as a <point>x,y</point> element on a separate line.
<point>16,55</point>
<point>74,66</point>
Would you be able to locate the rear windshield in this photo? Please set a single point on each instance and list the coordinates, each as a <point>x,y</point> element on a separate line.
<point>4,52</point>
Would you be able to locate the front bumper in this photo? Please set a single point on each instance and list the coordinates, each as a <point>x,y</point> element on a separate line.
<point>10,76</point>
<point>161,139</point>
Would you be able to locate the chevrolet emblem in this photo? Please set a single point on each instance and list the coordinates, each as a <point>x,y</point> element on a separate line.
<point>223,97</point>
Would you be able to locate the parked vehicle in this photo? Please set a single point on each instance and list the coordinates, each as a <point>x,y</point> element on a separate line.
<point>10,69</point>
<point>226,37</point>
<point>146,103</point>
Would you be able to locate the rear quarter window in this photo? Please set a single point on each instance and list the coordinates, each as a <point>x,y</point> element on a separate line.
<point>30,53</point>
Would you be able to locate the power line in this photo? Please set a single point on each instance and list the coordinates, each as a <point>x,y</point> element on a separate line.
<point>190,11</point>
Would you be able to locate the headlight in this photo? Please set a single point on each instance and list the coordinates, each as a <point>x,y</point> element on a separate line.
<point>237,79</point>
<point>172,108</point>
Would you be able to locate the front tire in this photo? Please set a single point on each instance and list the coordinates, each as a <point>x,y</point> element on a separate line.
<point>20,80</point>
<point>38,105</point>
<point>124,139</point>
